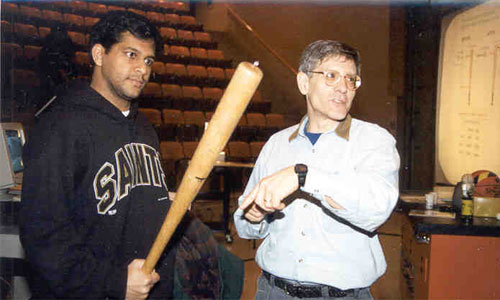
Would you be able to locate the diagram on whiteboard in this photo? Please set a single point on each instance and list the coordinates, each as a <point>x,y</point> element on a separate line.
<point>469,103</point>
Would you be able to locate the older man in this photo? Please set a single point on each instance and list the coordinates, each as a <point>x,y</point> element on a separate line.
<point>321,188</point>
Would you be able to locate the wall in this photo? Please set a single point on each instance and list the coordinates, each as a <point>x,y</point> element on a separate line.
<point>288,28</point>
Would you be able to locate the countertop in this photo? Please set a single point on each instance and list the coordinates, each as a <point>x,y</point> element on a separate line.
<point>436,225</point>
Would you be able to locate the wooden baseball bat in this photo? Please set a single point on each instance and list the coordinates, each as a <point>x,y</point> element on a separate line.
<point>238,93</point>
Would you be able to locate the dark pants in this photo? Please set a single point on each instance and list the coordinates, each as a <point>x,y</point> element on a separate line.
<point>268,291</point>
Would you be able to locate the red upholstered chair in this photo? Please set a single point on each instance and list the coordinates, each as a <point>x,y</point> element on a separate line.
<point>217,77</point>
<point>98,9</point>
<point>252,130</point>
<point>176,73</point>
<point>88,22</point>
<point>194,124</point>
<point>155,17</point>
<point>158,72</point>
<point>192,98</point>
<point>197,75</point>
<point>212,96</point>
<point>186,37</point>
<point>199,56</point>
<point>173,120</point>
<point>153,115</point>
<point>172,19</point>
<point>238,151</point>
<point>171,93</point>
<point>172,156</point>
<point>44,32</point>
<point>168,34</point>
<point>274,123</point>
<point>150,95</point>
<point>137,11</point>
<point>255,148</point>
<point>179,54</point>
<point>75,22</point>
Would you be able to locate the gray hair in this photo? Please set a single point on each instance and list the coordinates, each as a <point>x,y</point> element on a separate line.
<point>319,50</point>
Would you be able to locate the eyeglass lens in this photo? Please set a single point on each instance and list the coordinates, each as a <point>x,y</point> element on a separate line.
<point>332,77</point>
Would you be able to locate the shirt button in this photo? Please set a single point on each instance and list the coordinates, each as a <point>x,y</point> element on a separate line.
<point>301,260</point>
<point>316,191</point>
<point>314,150</point>
<point>303,233</point>
<point>305,205</point>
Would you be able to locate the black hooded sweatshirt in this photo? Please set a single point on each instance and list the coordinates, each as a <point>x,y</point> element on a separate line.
<point>94,198</point>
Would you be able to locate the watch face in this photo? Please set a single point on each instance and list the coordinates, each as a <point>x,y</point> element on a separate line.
<point>300,168</point>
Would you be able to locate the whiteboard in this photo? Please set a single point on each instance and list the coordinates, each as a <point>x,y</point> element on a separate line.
<point>468,100</point>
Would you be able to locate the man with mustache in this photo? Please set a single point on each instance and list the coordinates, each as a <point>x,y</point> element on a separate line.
<point>94,193</point>
<point>321,188</point>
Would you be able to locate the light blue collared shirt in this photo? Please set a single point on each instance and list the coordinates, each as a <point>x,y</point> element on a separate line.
<point>355,164</point>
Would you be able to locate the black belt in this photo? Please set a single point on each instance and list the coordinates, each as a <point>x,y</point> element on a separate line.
<point>298,290</point>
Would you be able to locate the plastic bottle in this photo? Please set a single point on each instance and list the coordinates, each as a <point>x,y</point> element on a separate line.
<point>467,199</point>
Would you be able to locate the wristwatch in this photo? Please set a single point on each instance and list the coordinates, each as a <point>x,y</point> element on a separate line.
<point>301,171</point>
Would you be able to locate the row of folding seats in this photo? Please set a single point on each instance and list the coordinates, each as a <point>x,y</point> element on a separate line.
<point>176,154</point>
<point>172,124</point>
<point>190,97</point>
<point>187,38</point>
<point>175,73</point>
<point>73,13</point>
<point>25,33</point>
<point>195,55</point>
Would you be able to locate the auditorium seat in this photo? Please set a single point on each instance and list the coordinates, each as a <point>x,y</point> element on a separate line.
<point>212,96</point>
<point>137,11</point>
<point>29,14</point>
<point>51,18</point>
<point>7,32</point>
<point>98,9</point>
<point>10,10</point>
<point>217,77</point>
<point>79,40</point>
<point>158,72</point>
<point>172,155</point>
<point>192,98</point>
<point>88,22</point>
<point>274,123</point>
<point>173,119</point>
<point>198,55</point>
<point>186,38</point>
<point>252,130</point>
<point>194,124</point>
<point>217,57</point>
<point>114,8</point>
<point>154,117</point>
<point>75,22</point>
<point>172,19</point>
<point>169,34</point>
<point>31,56</point>
<point>10,53</point>
<point>150,95</point>
<point>175,72</point>
<point>255,148</point>
<point>189,147</point>
<point>178,54</point>
<point>155,17</point>
<point>171,93</point>
<point>79,8</point>
<point>43,32</point>
<point>197,75</point>
<point>189,23</point>
<point>238,151</point>
<point>204,40</point>
<point>82,60</point>
<point>26,34</point>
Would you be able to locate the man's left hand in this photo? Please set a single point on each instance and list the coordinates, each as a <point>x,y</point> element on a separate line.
<point>271,190</point>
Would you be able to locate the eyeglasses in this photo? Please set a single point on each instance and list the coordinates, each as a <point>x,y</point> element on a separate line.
<point>333,77</point>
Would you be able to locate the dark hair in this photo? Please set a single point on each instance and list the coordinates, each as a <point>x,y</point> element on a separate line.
<point>110,27</point>
<point>317,51</point>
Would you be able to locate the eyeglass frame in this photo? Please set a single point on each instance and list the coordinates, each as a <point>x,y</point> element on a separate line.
<point>344,76</point>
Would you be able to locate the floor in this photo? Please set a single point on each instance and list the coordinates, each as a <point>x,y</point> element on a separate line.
<point>387,287</point>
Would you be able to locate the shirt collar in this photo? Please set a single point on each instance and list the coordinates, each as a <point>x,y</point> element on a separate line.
<point>342,129</point>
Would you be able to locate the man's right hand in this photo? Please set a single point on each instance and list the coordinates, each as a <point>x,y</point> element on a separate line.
<point>139,283</point>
